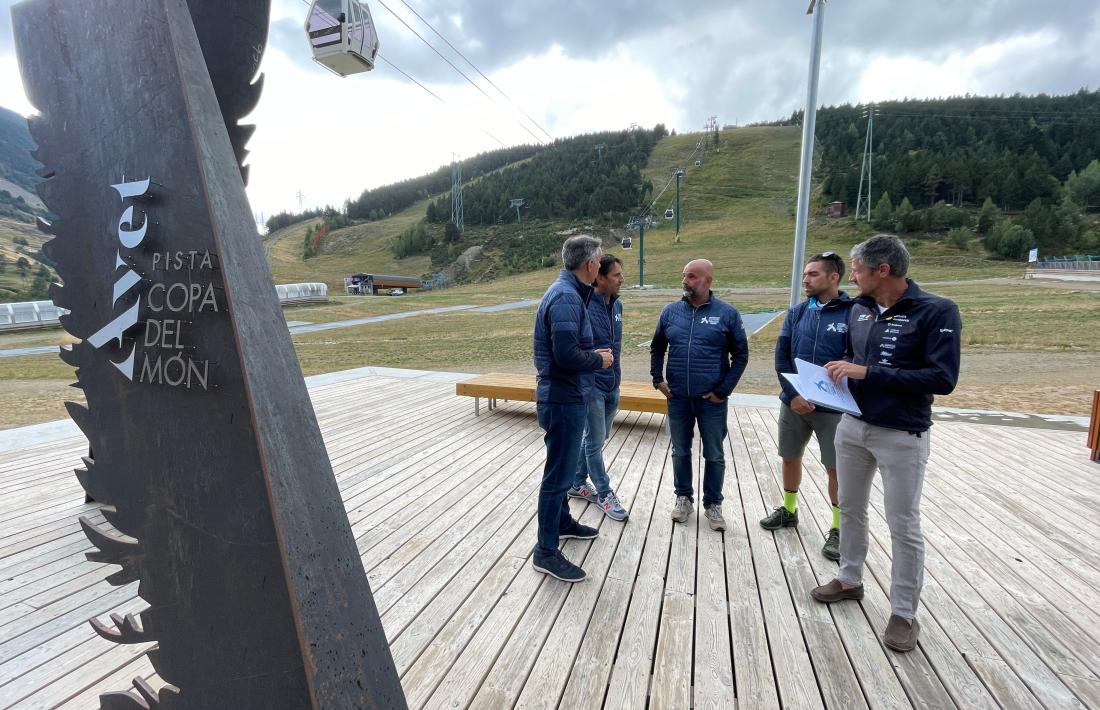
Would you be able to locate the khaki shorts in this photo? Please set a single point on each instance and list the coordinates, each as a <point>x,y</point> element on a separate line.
<point>795,430</point>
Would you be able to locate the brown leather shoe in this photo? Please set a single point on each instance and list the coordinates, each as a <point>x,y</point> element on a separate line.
<point>901,635</point>
<point>834,591</point>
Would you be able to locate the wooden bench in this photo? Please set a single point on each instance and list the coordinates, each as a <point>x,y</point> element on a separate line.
<point>1094,428</point>
<point>633,396</point>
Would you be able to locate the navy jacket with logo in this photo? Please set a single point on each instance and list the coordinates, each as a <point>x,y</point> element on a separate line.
<point>607,332</point>
<point>911,351</point>
<point>707,348</point>
<point>564,353</point>
<point>817,335</point>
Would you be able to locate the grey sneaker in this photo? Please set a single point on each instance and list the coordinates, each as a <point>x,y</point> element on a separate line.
<point>611,506</point>
<point>585,492</point>
<point>682,509</point>
<point>714,516</point>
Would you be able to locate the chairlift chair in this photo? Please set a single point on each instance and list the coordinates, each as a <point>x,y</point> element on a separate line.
<point>342,36</point>
<point>669,214</point>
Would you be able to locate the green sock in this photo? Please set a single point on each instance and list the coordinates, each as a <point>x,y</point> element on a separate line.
<point>790,500</point>
<point>836,517</point>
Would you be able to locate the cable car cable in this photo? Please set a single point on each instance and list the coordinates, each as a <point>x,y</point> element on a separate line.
<point>483,76</point>
<point>413,80</point>
<point>452,65</point>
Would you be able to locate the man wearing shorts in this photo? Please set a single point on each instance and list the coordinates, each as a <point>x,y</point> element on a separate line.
<point>815,331</point>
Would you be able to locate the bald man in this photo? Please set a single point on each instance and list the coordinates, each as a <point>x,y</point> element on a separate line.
<point>707,354</point>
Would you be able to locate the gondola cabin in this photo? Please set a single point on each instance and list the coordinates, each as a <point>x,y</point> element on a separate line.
<point>669,214</point>
<point>627,242</point>
<point>342,36</point>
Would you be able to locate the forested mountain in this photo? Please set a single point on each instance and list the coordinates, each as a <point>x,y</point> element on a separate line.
<point>1034,155</point>
<point>382,202</point>
<point>598,175</point>
<point>388,199</point>
<point>17,169</point>
<point>962,150</point>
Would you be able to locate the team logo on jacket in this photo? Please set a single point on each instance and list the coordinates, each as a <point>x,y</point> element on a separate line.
<point>710,320</point>
<point>837,328</point>
<point>864,316</point>
<point>618,317</point>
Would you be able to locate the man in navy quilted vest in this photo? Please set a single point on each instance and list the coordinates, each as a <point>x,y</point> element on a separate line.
<point>816,331</point>
<point>566,359</point>
<point>605,313</point>
<point>707,354</point>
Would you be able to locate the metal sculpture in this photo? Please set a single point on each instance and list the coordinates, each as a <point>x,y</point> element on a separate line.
<point>207,453</point>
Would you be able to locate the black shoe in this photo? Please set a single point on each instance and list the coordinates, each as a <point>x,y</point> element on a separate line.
<point>579,532</point>
<point>558,567</point>
<point>831,550</point>
<point>780,518</point>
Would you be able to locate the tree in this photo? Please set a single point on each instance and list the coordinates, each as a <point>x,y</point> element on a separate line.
<point>40,287</point>
<point>882,217</point>
<point>1010,241</point>
<point>3,263</point>
<point>24,266</point>
<point>959,237</point>
<point>451,233</point>
<point>988,216</point>
<point>1085,186</point>
<point>905,218</point>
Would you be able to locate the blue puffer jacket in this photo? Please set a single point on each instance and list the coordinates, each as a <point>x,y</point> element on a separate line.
<point>607,332</point>
<point>817,335</point>
<point>707,348</point>
<point>565,356</point>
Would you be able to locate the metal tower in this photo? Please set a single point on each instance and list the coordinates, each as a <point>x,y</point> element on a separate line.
<point>456,193</point>
<point>863,200</point>
<point>517,203</point>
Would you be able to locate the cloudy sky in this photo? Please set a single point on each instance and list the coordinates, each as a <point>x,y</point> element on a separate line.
<point>580,66</point>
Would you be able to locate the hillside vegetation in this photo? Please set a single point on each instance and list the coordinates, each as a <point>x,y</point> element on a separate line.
<point>737,208</point>
<point>1035,155</point>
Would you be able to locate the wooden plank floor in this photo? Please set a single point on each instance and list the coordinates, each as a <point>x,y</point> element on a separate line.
<point>442,505</point>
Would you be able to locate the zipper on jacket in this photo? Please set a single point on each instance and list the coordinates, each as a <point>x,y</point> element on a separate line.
<point>817,332</point>
<point>691,336</point>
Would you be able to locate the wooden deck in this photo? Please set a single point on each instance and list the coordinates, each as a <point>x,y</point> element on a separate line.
<point>442,504</point>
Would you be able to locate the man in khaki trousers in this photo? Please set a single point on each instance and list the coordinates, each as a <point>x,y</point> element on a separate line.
<point>903,349</point>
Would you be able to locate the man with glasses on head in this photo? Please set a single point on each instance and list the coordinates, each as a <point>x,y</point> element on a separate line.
<point>903,348</point>
<point>566,359</point>
<point>815,331</point>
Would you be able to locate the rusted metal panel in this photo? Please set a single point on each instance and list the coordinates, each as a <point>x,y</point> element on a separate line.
<point>207,451</point>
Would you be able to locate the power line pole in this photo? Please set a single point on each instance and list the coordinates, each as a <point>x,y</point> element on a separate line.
<point>679,174</point>
<point>809,120</point>
<point>456,193</point>
<point>300,198</point>
<point>600,147</point>
<point>517,203</point>
<point>640,223</point>
<point>867,166</point>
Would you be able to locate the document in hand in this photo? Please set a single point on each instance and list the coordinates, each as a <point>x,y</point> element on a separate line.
<point>814,384</point>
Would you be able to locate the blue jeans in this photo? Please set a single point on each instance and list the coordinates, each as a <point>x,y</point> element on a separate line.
<point>601,413</point>
<point>564,425</point>
<point>683,414</point>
